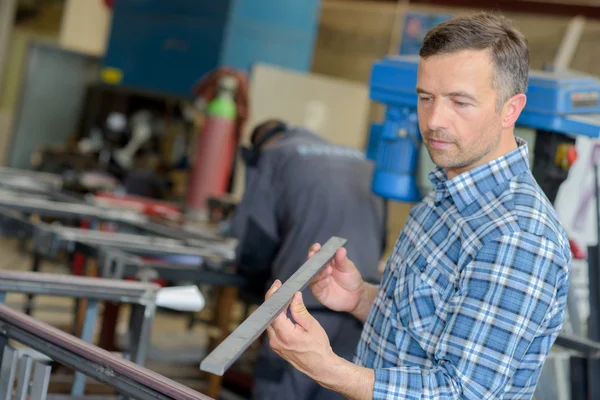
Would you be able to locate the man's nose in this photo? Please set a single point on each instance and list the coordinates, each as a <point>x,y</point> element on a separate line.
<point>437,117</point>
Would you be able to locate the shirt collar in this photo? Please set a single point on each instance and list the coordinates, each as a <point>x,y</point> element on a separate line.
<point>468,186</point>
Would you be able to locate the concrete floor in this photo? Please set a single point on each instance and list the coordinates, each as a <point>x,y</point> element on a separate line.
<point>175,350</point>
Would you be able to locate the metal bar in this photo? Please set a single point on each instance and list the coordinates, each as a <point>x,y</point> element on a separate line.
<point>73,210</point>
<point>125,376</point>
<point>35,267</point>
<point>140,326</point>
<point>24,378</point>
<point>50,284</point>
<point>41,379</point>
<point>135,243</point>
<point>89,323</point>
<point>583,345</point>
<point>221,358</point>
<point>53,180</point>
<point>7,372</point>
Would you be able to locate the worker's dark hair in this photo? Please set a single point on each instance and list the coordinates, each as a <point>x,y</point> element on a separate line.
<point>481,31</point>
<point>270,126</point>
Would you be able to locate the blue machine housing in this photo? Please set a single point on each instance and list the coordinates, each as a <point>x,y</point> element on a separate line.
<point>166,46</point>
<point>394,145</point>
<point>566,103</point>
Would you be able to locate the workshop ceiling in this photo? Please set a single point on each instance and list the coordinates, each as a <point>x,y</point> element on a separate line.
<point>565,8</point>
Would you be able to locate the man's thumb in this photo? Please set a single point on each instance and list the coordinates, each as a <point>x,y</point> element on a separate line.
<point>299,312</point>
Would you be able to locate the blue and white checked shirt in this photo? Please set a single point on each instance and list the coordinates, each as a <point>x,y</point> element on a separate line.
<point>473,295</point>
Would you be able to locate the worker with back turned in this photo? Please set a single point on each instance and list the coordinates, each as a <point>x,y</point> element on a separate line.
<point>473,295</point>
<point>300,188</point>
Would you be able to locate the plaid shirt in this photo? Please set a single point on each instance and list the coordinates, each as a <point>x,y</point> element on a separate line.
<point>474,292</point>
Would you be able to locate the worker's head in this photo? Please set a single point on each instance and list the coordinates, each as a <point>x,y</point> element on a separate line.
<point>263,135</point>
<point>471,83</point>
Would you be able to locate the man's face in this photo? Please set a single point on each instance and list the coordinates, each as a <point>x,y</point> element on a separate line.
<point>458,119</point>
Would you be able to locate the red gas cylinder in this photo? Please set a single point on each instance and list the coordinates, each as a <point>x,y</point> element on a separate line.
<point>215,151</point>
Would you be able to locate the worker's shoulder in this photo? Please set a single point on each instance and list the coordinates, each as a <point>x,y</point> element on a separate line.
<point>521,208</point>
<point>311,149</point>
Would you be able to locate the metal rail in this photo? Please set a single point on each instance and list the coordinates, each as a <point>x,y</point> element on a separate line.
<point>141,296</point>
<point>124,376</point>
<point>51,208</point>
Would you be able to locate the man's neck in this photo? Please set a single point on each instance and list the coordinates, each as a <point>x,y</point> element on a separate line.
<point>506,144</point>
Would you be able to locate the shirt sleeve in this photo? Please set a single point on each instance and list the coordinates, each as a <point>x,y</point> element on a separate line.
<point>512,291</point>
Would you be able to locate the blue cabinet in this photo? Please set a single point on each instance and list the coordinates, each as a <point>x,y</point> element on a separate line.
<point>166,46</point>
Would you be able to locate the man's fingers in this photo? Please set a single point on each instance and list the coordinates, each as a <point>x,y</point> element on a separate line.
<point>320,284</point>
<point>276,285</point>
<point>340,259</point>
<point>323,274</point>
<point>313,249</point>
<point>283,326</point>
<point>300,313</point>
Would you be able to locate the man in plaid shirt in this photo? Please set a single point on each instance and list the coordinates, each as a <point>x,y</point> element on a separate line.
<point>473,296</point>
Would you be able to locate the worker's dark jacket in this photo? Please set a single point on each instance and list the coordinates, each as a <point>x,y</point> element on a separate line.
<point>305,190</point>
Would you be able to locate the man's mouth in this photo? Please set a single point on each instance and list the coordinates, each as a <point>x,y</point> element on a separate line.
<point>439,144</point>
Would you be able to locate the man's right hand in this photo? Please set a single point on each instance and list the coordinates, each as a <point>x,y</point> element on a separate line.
<point>339,285</point>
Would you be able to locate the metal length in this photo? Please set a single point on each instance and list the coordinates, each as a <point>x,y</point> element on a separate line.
<point>125,376</point>
<point>235,344</point>
<point>24,377</point>
<point>138,244</point>
<point>56,208</point>
<point>585,346</point>
<point>77,287</point>
<point>53,180</point>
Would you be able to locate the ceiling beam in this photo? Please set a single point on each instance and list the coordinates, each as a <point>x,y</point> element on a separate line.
<point>524,6</point>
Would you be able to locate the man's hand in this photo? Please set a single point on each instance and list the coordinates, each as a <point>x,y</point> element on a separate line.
<point>304,344</point>
<point>339,285</point>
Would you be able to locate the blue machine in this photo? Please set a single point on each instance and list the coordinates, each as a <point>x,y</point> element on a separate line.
<point>166,46</point>
<point>566,103</point>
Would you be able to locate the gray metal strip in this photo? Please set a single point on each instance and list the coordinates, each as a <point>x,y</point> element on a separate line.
<point>89,323</point>
<point>7,372</point>
<point>24,377</point>
<point>75,286</point>
<point>140,326</point>
<point>235,344</point>
<point>588,347</point>
<point>41,379</point>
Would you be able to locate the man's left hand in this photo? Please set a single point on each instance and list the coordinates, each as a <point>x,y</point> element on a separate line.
<point>304,344</point>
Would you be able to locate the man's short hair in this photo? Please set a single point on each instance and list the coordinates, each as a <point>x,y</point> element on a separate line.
<point>262,128</point>
<point>482,31</point>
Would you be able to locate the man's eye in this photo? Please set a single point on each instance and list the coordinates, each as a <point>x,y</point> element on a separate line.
<point>461,104</point>
<point>425,99</point>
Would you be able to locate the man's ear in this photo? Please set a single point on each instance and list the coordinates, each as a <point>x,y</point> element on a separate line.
<point>512,109</point>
